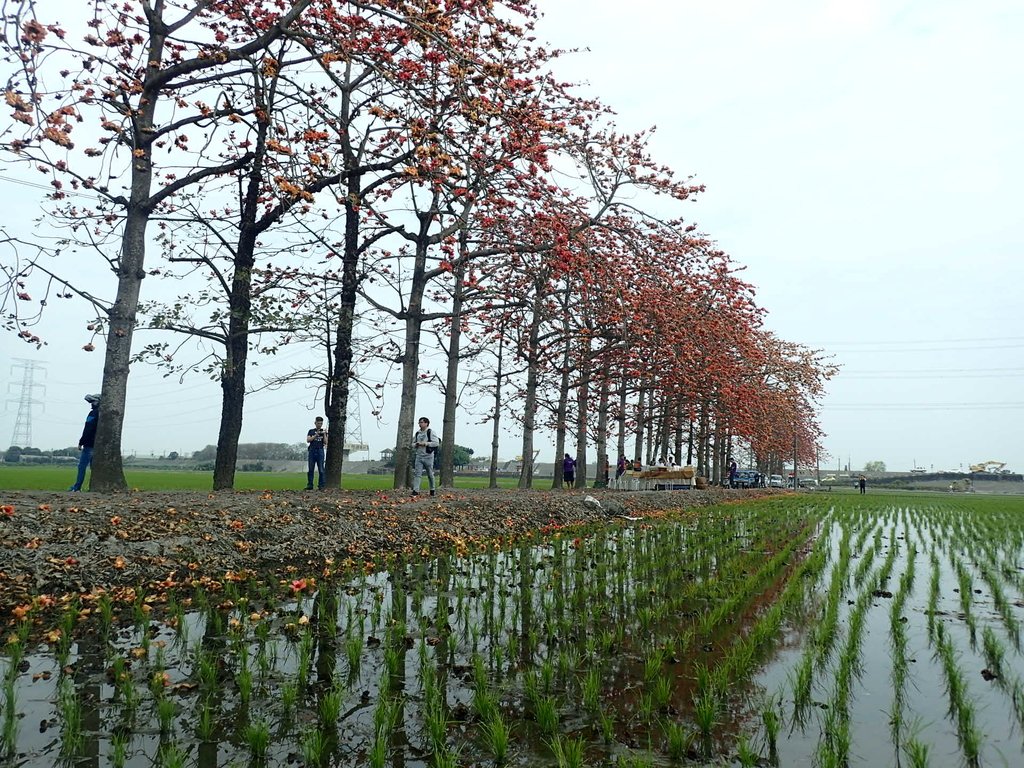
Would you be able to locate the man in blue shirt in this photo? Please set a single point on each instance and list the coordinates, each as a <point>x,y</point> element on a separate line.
<point>87,440</point>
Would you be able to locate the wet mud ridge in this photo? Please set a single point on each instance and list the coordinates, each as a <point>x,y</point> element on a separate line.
<point>59,543</point>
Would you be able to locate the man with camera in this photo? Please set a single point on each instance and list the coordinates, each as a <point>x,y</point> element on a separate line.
<point>316,440</point>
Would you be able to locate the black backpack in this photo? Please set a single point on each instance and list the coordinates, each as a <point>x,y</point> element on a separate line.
<point>430,439</point>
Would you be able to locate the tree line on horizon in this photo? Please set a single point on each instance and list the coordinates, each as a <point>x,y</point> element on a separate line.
<point>366,180</point>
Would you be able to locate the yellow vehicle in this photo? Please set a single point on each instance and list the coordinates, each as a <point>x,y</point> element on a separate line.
<point>988,466</point>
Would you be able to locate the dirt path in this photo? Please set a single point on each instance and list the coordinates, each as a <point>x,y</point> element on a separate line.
<point>60,543</point>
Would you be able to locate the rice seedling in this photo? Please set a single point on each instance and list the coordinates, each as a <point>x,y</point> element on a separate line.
<point>289,693</point>
<point>705,715</point>
<point>546,714</point>
<point>354,653</point>
<point>547,676</point>
<point>329,707</point>
<point>745,753</point>
<point>994,652</point>
<point>591,690</point>
<point>165,711</point>
<point>917,753</point>
<point>207,671</point>
<point>257,739</point>
<point>377,756</point>
<point>678,740</point>
<point>9,732</point>
<point>119,741</point>
<point>69,709</point>
<point>568,752</point>
<point>485,705</point>
<point>206,721</point>
<point>606,724</point>
<point>313,746</point>
<point>105,612</point>
<point>496,737</point>
<point>435,719</point>
<point>244,681</point>
<point>771,721</point>
<point>171,756</point>
<point>446,758</point>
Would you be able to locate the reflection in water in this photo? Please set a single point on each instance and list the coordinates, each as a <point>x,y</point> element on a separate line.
<point>781,625</point>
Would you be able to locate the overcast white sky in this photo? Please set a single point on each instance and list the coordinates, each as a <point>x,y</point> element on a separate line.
<point>862,159</point>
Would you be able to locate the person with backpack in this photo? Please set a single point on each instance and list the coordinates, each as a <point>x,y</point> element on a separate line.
<point>88,440</point>
<point>424,444</point>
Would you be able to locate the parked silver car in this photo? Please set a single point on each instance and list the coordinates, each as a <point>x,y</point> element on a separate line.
<point>775,481</point>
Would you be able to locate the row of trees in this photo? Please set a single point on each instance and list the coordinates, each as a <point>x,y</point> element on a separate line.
<point>368,179</point>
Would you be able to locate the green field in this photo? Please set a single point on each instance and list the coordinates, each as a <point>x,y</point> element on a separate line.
<point>15,477</point>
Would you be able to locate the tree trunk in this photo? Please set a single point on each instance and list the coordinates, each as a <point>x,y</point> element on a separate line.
<point>341,370</point>
<point>232,380</point>
<point>492,475</point>
<point>532,376</point>
<point>411,358</point>
<point>603,470</point>
<point>561,417</point>
<point>582,406</point>
<point>107,465</point>
<point>451,385</point>
<point>621,416</point>
<point>638,448</point>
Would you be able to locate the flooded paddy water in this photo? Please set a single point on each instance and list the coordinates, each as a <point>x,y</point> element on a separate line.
<point>798,630</point>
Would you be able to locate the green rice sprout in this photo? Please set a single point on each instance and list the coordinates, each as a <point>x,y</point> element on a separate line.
<point>917,753</point>
<point>705,715</point>
<point>171,756</point>
<point>206,723</point>
<point>165,710</point>
<point>746,754</point>
<point>496,736</point>
<point>330,705</point>
<point>257,737</point>
<point>378,754</point>
<point>568,751</point>
<point>313,745</point>
<point>547,715</point>
<point>678,740</point>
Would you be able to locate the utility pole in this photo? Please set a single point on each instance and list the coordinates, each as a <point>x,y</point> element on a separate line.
<point>22,436</point>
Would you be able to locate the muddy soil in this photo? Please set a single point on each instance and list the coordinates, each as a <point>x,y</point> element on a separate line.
<point>65,543</point>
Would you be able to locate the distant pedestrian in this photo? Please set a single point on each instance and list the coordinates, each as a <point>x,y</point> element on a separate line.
<point>424,444</point>
<point>862,484</point>
<point>568,471</point>
<point>87,440</point>
<point>620,469</point>
<point>732,474</point>
<point>316,445</point>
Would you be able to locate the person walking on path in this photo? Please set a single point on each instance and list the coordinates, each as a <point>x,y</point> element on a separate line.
<point>862,484</point>
<point>316,445</point>
<point>568,471</point>
<point>424,444</point>
<point>87,440</point>
<point>732,473</point>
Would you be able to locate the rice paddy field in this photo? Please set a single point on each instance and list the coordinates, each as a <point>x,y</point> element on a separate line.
<point>798,630</point>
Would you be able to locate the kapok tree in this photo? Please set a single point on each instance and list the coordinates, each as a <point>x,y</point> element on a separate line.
<point>138,57</point>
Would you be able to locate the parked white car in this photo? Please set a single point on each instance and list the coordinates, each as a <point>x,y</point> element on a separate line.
<point>775,481</point>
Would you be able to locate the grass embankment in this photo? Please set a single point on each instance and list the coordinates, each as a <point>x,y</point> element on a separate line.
<point>58,478</point>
